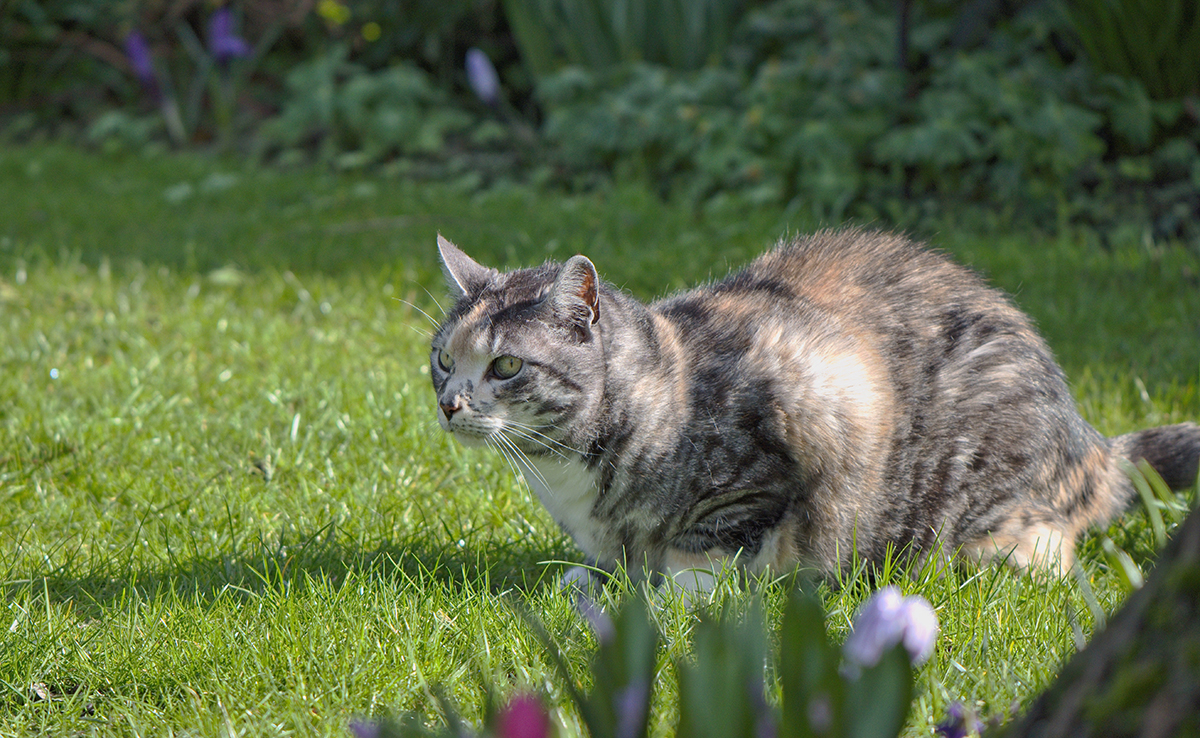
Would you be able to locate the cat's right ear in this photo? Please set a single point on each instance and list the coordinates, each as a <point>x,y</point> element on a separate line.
<point>463,274</point>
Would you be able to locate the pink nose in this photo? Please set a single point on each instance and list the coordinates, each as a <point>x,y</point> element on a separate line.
<point>449,410</point>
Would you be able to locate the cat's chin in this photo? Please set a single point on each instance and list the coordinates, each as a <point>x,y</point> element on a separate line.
<point>468,440</point>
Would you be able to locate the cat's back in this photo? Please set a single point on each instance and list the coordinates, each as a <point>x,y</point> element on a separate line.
<point>871,274</point>
<point>880,288</point>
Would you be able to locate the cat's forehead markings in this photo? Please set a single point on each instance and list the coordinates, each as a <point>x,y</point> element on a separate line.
<point>467,339</point>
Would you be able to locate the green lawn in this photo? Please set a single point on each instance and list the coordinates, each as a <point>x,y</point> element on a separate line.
<point>225,503</point>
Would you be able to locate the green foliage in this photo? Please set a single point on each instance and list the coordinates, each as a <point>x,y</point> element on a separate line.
<point>722,692</point>
<point>1152,41</point>
<point>816,115</point>
<point>361,117</point>
<point>817,700</point>
<point>597,34</point>
<point>433,34</point>
<point>45,64</point>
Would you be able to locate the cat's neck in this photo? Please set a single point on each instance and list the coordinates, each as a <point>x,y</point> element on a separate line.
<point>646,387</point>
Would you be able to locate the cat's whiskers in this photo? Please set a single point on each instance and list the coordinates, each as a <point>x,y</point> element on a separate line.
<point>526,464</point>
<point>538,442</point>
<point>533,434</point>
<point>492,440</point>
<point>515,456</point>
<point>422,331</point>
<point>435,300</point>
<point>414,306</point>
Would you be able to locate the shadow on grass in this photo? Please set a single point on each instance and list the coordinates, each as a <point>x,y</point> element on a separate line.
<point>322,559</point>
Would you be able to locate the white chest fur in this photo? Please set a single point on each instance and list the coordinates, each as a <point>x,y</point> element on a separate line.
<point>568,490</point>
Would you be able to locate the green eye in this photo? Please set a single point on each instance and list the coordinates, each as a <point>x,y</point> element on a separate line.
<point>445,360</point>
<point>506,367</point>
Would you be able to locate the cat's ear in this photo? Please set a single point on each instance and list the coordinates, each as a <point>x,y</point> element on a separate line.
<point>463,274</point>
<point>575,295</point>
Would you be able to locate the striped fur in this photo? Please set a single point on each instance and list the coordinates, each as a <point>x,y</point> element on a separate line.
<point>844,392</point>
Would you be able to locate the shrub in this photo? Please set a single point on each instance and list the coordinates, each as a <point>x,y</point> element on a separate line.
<point>811,110</point>
<point>359,117</point>
<point>1154,43</point>
<point>597,34</point>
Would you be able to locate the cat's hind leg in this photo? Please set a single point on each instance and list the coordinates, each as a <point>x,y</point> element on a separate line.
<point>1039,545</point>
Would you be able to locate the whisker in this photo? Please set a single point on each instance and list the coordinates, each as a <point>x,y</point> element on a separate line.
<point>435,300</point>
<point>492,443</point>
<point>532,439</point>
<point>536,431</point>
<point>422,331</point>
<point>414,306</point>
<point>504,446</point>
<point>523,460</point>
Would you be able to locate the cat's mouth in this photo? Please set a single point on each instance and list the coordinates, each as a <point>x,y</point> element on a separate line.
<point>469,429</point>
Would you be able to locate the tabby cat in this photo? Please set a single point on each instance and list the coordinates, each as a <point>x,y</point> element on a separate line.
<point>844,392</point>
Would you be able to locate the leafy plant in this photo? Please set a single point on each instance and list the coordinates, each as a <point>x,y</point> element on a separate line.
<point>864,693</point>
<point>1152,41</point>
<point>812,111</point>
<point>360,116</point>
<point>595,34</point>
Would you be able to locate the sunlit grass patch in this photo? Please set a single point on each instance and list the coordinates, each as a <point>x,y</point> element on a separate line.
<point>226,507</point>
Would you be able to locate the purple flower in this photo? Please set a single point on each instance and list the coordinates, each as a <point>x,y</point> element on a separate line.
<point>365,729</point>
<point>523,717</point>
<point>920,629</point>
<point>593,612</point>
<point>482,76</point>
<point>223,43</point>
<point>889,618</point>
<point>959,723</point>
<point>631,704</point>
<point>138,52</point>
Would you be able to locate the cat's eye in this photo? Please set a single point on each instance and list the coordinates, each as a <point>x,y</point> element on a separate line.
<point>445,360</point>
<point>506,367</point>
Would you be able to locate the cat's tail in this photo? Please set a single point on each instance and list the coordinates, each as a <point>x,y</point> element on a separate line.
<point>1172,450</point>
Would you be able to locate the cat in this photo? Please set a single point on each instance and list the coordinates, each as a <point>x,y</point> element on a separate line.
<point>845,393</point>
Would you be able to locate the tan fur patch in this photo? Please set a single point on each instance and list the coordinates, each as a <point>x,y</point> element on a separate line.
<point>1040,547</point>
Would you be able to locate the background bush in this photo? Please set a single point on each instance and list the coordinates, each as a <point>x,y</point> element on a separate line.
<point>906,114</point>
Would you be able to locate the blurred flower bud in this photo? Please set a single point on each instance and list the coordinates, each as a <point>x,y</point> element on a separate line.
<point>482,76</point>
<point>223,43</point>
<point>887,619</point>
<point>631,705</point>
<point>920,629</point>
<point>523,717</point>
<point>959,723</point>
<point>138,52</point>
<point>365,729</point>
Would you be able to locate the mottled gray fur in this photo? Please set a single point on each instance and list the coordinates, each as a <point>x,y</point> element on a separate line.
<point>843,392</point>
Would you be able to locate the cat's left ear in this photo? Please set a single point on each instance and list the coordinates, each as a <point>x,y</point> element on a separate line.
<point>575,295</point>
<point>463,274</point>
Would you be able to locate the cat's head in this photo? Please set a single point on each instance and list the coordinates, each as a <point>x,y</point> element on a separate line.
<point>518,360</point>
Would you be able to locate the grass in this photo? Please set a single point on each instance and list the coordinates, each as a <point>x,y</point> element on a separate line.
<point>225,506</point>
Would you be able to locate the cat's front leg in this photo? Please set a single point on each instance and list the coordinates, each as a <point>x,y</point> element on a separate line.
<point>696,573</point>
<point>586,580</point>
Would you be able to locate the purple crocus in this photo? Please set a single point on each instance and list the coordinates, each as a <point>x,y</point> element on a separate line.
<point>593,612</point>
<point>223,43</point>
<point>482,76</point>
<point>887,619</point>
<point>138,52</point>
<point>366,729</point>
<point>959,723</point>
<point>523,717</point>
<point>630,705</point>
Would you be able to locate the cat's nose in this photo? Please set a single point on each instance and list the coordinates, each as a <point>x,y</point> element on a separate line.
<point>450,409</point>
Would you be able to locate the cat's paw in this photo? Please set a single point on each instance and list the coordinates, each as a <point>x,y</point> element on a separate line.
<point>585,587</point>
<point>581,580</point>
